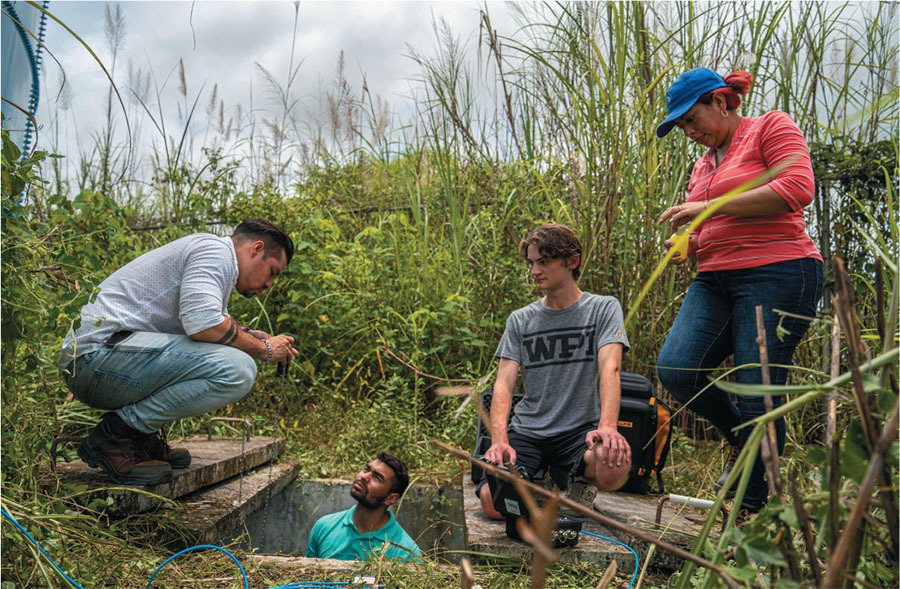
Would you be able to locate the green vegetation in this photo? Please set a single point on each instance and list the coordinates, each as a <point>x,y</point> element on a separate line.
<point>405,268</point>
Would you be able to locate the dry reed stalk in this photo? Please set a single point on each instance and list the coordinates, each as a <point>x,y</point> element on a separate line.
<point>835,566</point>
<point>806,529</point>
<point>608,575</point>
<point>466,574</point>
<point>769,446</point>
<point>846,308</point>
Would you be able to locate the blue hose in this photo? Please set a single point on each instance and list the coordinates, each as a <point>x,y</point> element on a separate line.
<point>298,585</point>
<point>171,558</point>
<point>24,531</point>
<point>34,62</point>
<point>634,576</point>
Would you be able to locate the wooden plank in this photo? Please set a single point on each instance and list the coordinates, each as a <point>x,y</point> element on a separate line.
<point>212,461</point>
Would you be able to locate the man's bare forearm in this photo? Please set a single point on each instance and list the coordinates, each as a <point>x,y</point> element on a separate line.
<point>501,400</point>
<point>609,361</point>
<point>610,398</point>
<point>231,333</point>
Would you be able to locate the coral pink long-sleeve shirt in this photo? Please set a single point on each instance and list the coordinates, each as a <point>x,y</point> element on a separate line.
<point>729,242</point>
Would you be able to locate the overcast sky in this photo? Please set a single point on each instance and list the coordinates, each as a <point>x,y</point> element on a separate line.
<point>220,41</point>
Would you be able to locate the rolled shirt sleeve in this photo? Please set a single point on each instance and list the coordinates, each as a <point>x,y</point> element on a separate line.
<point>203,297</point>
<point>781,142</point>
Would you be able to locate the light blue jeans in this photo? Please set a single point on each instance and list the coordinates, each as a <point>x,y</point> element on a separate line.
<point>151,379</point>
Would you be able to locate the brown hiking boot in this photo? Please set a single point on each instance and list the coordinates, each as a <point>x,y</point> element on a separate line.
<point>158,448</point>
<point>115,447</point>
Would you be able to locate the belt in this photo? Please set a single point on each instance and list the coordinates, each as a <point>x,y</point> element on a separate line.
<point>117,337</point>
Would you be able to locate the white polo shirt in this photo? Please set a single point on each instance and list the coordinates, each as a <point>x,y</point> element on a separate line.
<point>181,288</point>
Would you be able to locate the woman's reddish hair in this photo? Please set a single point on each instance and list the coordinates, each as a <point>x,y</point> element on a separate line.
<point>739,83</point>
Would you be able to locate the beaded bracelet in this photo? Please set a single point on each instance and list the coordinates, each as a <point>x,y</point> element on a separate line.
<point>268,350</point>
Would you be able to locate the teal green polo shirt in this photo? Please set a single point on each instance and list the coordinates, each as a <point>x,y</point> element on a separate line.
<point>336,536</point>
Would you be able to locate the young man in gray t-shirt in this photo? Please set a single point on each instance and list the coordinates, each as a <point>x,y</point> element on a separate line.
<point>563,343</point>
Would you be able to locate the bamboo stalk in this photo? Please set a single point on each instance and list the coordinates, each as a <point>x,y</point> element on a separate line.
<point>831,424</point>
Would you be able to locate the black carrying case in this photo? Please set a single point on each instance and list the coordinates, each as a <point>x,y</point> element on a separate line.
<point>640,413</point>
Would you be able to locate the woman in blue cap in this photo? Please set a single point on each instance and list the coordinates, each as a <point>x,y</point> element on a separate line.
<point>753,251</point>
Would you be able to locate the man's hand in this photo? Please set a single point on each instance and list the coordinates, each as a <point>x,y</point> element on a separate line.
<point>613,447</point>
<point>282,348</point>
<point>258,334</point>
<point>499,452</point>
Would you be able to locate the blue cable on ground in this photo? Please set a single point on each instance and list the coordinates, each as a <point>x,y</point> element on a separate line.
<point>311,585</point>
<point>634,576</point>
<point>35,542</point>
<point>219,548</point>
<point>298,585</point>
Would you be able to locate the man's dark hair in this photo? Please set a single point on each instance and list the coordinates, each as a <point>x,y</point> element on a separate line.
<point>272,235</point>
<point>401,474</point>
<point>554,241</point>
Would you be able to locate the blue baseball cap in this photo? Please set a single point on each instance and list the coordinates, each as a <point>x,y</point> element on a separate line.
<point>682,95</point>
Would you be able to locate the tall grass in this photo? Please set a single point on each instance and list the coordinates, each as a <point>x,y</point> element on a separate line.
<point>406,231</point>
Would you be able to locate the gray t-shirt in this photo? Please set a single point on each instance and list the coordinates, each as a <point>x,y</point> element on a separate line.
<point>180,288</point>
<point>557,350</point>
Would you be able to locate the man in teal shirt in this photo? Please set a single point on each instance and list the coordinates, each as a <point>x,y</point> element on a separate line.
<point>368,527</point>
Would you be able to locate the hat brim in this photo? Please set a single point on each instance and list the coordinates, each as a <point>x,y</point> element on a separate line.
<point>663,129</point>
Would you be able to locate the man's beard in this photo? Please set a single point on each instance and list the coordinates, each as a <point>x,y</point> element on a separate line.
<point>360,497</point>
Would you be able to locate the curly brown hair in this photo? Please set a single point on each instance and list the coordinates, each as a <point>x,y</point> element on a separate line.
<point>555,241</point>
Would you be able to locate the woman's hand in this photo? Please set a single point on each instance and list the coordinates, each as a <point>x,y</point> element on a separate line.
<point>691,250</point>
<point>681,214</point>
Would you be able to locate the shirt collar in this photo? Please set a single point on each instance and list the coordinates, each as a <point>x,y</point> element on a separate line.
<point>381,532</point>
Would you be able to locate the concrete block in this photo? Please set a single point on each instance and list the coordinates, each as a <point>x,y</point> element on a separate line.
<point>212,461</point>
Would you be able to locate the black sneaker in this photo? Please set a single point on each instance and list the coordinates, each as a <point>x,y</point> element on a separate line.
<point>733,452</point>
<point>115,447</point>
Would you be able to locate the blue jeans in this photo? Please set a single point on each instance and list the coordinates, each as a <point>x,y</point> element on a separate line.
<point>717,320</point>
<point>151,379</point>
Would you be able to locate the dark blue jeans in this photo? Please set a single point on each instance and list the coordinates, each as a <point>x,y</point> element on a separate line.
<point>717,320</point>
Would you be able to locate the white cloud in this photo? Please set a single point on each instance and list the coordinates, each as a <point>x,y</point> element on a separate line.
<point>231,36</point>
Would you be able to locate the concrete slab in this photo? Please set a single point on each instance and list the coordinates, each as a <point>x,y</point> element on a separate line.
<point>209,515</point>
<point>678,525</point>
<point>487,539</point>
<point>212,461</point>
<point>306,567</point>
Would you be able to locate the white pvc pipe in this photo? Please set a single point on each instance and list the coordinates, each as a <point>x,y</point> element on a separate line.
<point>692,501</point>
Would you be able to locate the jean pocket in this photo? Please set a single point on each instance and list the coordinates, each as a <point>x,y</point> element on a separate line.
<point>144,341</point>
<point>109,390</point>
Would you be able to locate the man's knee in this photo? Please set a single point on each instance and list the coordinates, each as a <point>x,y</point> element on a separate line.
<point>679,381</point>
<point>238,378</point>
<point>611,478</point>
<point>603,476</point>
<point>487,503</point>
